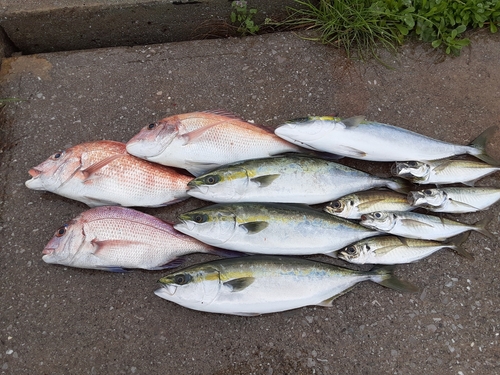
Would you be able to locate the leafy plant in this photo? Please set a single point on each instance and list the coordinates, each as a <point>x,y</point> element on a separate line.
<point>362,25</point>
<point>242,17</point>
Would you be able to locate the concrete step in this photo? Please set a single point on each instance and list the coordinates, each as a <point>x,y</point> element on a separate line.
<point>38,26</point>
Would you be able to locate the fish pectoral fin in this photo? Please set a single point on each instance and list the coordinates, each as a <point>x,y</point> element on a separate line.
<point>442,166</point>
<point>353,122</point>
<point>264,181</point>
<point>366,205</point>
<point>96,202</point>
<point>415,223</point>
<point>329,301</point>
<point>463,204</point>
<point>350,151</point>
<point>254,227</point>
<point>90,170</point>
<point>110,245</point>
<point>237,285</point>
<point>386,249</point>
<point>198,133</point>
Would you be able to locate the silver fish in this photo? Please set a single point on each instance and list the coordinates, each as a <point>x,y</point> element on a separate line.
<point>455,199</point>
<point>420,226</point>
<point>352,206</point>
<point>286,179</point>
<point>368,140</point>
<point>114,238</point>
<point>397,250</point>
<point>202,141</point>
<point>258,285</point>
<point>266,228</point>
<point>447,171</point>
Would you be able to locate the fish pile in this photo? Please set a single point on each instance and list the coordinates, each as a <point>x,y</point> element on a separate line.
<point>261,186</point>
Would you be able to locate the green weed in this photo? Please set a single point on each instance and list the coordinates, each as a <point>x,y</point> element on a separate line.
<point>364,25</point>
<point>242,17</point>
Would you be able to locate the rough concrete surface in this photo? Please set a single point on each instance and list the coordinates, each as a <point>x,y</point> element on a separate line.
<point>39,26</point>
<point>60,320</point>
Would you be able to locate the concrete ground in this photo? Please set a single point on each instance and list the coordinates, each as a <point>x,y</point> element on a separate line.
<point>60,320</point>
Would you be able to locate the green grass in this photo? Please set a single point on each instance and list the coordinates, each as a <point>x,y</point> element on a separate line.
<point>362,26</point>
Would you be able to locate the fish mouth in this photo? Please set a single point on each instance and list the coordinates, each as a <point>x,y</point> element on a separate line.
<point>48,251</point>
<point>193,188</point>
<point>34,172</point>
<point>184,225</point>
<point>166,290</point>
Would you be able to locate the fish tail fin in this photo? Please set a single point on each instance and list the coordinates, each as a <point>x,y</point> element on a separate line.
<point>481,225</point>
<point>479,144</point>
<point>456,242</point>
<point>399,185</point>
<point>384,275</point>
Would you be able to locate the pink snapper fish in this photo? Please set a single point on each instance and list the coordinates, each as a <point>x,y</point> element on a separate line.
<point>115,238</point>
<point>103,173</point>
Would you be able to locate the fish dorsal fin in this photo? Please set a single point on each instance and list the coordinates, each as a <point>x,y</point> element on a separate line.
<point>254,227</point>
<point>237,285</point>
<point>266,180</point>
<point>353,122</point>
<point>230,115</point>
<point>222,112</point>
<point>415,223</point>
<point>87,172</point>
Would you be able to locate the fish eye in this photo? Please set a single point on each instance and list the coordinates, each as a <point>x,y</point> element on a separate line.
<point>61,231</point>
<point>57,155</point>
<point>337,204</point>
<point>200,218</point>
<point>182,279</point>
<point>378,215</point>
<point>428,192</point>
<point>412,163</point>
<point>212,179</point>
<point>350,250</point>
<point>152,126</point>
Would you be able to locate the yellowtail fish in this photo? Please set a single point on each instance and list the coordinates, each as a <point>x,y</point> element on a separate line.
<point>259,284</point>
<point>103,173</point>
<point>115,238</point>
<point>286,179</point>
<point>447,171</point>
<point>267,228</point>
<point>368,140</point>
<point>398,250</point>
<point>455,199</point>
<point>352,206</point>
<point>420,226</point>
<point>202,141</point>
